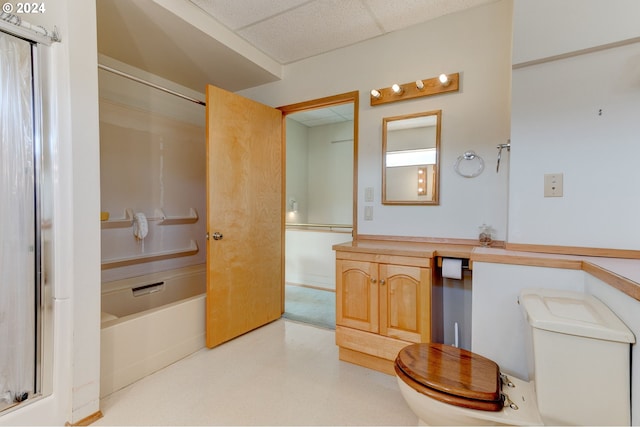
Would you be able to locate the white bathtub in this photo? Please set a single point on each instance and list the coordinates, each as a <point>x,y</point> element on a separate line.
<point>149,322</point>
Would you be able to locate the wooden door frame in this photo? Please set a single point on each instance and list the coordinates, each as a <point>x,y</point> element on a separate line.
<point>329,101</point>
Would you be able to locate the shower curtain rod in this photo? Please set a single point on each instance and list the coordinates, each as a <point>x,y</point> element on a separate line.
<point>15,25</point>
<point>153,85</point>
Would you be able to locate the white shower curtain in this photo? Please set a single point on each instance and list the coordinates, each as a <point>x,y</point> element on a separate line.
<point>17,223</point>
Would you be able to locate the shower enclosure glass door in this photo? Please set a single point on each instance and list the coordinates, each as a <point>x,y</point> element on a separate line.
<point>19,225</point>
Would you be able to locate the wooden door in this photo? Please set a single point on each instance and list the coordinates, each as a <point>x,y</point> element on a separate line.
<point>405,302</point>
<point>245,219</point>
<point>357,294</point>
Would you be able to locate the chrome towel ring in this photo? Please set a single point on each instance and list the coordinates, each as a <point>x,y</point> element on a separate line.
<point>469,165</point>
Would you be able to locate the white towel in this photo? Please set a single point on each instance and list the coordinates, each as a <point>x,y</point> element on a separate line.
<point>140,226</point>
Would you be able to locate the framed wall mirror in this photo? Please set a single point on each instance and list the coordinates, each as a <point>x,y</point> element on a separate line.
<point>410,159</point>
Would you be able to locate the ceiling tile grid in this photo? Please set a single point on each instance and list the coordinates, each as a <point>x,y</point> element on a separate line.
<point>291,30</point>
<point>316,27</point>
<point>324,116</point>
<point>237,14</point>
<point>396,15</point>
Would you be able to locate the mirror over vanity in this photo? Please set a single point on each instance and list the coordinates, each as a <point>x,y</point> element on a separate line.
<point>410,159</point>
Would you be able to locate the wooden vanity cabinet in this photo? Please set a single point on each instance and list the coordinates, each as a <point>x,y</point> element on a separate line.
<point>383,303</point>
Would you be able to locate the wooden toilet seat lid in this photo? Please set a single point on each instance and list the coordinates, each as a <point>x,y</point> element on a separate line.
<point>451,370</point>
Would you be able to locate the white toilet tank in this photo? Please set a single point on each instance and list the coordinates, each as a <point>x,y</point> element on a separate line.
<point>581,358</point>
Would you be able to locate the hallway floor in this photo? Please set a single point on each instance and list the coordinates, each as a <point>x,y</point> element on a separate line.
<point>310,305</point>
<point>285,373</point>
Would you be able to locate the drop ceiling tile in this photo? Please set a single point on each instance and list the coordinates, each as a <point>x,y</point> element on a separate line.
<point>311,29</point>
<point>396,15</point>
<point>323,116</point>
<point>322,122</point>
<point>236,14</point>
<point>344,110</point>
<point>309,118</point>
<point>314,114</point>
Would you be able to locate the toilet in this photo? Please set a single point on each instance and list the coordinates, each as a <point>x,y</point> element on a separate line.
<point>579,371</point>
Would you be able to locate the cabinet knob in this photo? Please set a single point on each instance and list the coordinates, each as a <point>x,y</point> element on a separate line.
<point>382,282</point>
<point>373,280</point>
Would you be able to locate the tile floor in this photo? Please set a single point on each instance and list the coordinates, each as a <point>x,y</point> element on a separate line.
<point>285,373</point>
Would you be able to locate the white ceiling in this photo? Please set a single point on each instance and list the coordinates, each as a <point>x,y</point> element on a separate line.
<point>324,116</point>
<point>237,44</point>
<point>290,30</point>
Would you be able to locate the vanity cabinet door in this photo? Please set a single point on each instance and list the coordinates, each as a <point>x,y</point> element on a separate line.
<point>383,301</point>
<point>405,302</point>
<point>357,295</point>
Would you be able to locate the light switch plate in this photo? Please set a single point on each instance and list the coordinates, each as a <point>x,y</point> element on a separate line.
<point>368,213</point>
<point>368,194</point>
<point>553,185</point>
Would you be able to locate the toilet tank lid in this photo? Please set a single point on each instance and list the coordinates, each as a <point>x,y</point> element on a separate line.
<point>573,313</point>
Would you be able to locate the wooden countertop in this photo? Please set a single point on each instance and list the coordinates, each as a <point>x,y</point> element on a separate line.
<point>416,249</point>
<point>622,274</point>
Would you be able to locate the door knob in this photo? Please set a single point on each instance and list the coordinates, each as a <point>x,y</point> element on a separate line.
<point>217,236</point>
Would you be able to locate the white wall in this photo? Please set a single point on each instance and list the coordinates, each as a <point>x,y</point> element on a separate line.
<point>309,257</point>
<point>320,178</point>
<point>577,116</point>
<point>82,115</point>
<point>477,44</point>
<point>297,170</point>
<point>152,156</point>
<point>546,28</point>
<point>498,324</point>
<point>330,174</point>
<point>320,172</point>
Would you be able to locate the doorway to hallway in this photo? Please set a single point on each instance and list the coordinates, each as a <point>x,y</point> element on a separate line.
<point>321,147</point>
